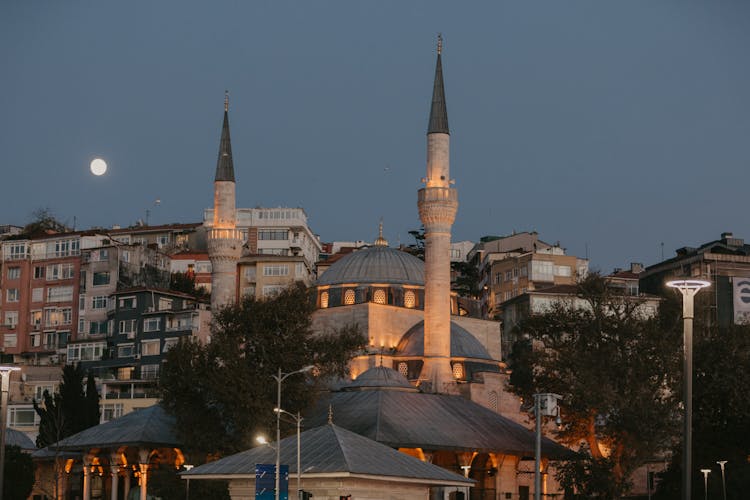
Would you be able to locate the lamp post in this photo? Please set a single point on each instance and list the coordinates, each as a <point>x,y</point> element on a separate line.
<point>5,372</point>
<point>544,405</point>
<point>298,419</point>
<point>722,463</point>
<point>279,379</point>
<point>688,289</point>
<point>705,472</point>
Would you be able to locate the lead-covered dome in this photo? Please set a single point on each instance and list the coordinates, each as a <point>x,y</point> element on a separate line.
<point>377,264</point>
<point>380,377</point>
<point>463,343</point>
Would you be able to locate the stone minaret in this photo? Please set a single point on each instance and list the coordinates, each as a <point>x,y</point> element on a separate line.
<point>224,240</point>
<point>438,203</point>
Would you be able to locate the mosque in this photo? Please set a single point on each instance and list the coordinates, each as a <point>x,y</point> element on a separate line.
<point>431,382</point>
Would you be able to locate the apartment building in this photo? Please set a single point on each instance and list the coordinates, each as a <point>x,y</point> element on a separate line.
<point>513,265</point>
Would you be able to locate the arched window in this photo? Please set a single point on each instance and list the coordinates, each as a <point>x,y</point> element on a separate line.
<point>323,300</point>
<point>410,299</point>
<point>379,296</point>
<point>458,371</point>
<point>349,297</point>
<point>403,369</point>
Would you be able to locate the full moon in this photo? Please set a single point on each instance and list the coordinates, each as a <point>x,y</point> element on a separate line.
<point>98,166</point>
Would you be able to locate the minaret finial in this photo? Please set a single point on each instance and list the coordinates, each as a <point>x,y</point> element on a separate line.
<point>381,242</point>
<point>330,414</point>
<point>226,99</point>
<point>440,44</point>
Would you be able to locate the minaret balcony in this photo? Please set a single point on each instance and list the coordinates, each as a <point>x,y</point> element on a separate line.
<point>438,194</point>
<point>224,234</point>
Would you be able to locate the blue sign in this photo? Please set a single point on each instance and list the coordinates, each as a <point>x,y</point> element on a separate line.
<point>265,482</point>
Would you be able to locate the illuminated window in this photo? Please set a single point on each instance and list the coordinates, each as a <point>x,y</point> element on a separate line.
<point>410,299</point>
<point>14,273</point>
<point>492,400</point>
<point>349,297</point>
<point>379,297</point>
<point>324,300</point>
<point>403,369</point>
<point>458,371</point>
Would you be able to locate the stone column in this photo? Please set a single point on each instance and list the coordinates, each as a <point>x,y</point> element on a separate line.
<point>143,469</point>
<point>86,481</point>
<point>114,470</point>
<point>126,486</point>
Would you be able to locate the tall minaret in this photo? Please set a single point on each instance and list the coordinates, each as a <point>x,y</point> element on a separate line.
<point>224,240</point>
<point>438,203</point>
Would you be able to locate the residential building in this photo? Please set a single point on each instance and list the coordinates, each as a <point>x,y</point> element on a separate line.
<point>725,262</point>
<point>195,264</point>
<point>512,265</point>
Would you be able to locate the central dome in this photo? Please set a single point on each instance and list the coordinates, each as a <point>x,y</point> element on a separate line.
<point>378,264</point>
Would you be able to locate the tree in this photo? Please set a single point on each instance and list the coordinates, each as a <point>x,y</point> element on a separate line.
<point>43,222</point>
<point>18,474</point>
<point>417,248</point>
<point>223,394</point>
<point>615,369</point>
<point>70,410</point>
<point>467,279</point>
<point>185,283</point>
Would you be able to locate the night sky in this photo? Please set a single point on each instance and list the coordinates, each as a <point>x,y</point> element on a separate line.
<point>611,127</point>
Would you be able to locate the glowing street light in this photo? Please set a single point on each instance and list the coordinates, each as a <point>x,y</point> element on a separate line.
<point>5,372</point>
<point>298,419</point>
<point>722,463</point>
<point>544,405</point>
<point>688,289</point>
<point>705,472</point>
<point>279,379</point>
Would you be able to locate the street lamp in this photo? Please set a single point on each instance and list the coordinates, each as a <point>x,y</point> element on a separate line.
<point>5,372</point>
<point>298,419</point>
<point>279,379</point>
<point>544,405</point>
<point>705,472</point>
<point>722,463</point>
<point>688,289</point>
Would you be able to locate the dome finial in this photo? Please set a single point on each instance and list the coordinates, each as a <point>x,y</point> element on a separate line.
<point>381,242</point>
<point>226,100</point>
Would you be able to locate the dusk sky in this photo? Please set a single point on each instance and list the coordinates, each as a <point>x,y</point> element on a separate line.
<point>611,127</point>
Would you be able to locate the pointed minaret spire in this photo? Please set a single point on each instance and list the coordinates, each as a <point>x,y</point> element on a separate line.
<point>438,112</point>
<point>224,165</point>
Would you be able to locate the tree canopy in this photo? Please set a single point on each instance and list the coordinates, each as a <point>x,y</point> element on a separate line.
<point>614,367</point>
<point>223,394</point>
<point>18,473</point>
<point>70,410</point>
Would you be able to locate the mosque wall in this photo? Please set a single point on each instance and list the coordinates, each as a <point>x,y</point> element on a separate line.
<point>487,332</point>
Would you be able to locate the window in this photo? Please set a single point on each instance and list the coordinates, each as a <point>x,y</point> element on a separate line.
<point>82,302</point>
<point>101,278</point>
<point>170,343</point>
<point>128,326</point>
<point>50,317</point>
<point>323,300</point>
<point>271,290</point>
<point>410,299</point>
<point>63,248</point>
<point>50,340</point>
<point>38,272</point>
<point>248,291</point>
<point>14,273</point>
<point>12,295</point>
<point>102,254</point>
<point>379,296</point>
<point>149,372</point>
<point>349,297</point>
<point>125,255</point>
<point>162,240</point>
<point>99,302</point>
<point>125,373</point>
<point>36,339</point>
<point>508,275</point>
<point>276,270</point>
<point>125,351</point>
<point>403,369</point>
<point>273,234</point>
<point>37,294</point>
<point>458,371</point>
<point>299,270</point>
<point>60,294</point>
<point>81,325</point>
<point>524,271</point>
<point>66,315</point>
<point>250,273</point>
<point>151,324</point>
<point>11,318</point>
<point>10,340</point>
<point>165,304</point>
<point>36,318</point>
<point>498,278</point>
<point>542,270</point>
<point>90,351</point>
<point>562,271</point>
<point>273,251</point>
<point>111,411</point>
<point>127,303</point>
<point>17,251</point>
<point>492,400</point>
<point>22,417</point>
<point>150,348</point>
<point>39,391</point>
<point>67,271</point>
<point>99,327</point>
<point>60,271</point>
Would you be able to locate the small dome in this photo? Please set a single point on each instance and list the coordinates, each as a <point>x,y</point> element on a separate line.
<point>380,377</point>
<point>378,264</point>
<point>463,343</point>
